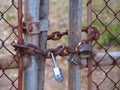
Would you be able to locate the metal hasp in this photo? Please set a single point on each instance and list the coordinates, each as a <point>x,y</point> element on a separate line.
<point>74,36</point>
<point>42,25</point>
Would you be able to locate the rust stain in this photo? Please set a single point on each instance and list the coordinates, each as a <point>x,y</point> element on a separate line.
<point>28,62</point>
<point>76,2</point>
<point>38,25</point>
<point>73,33</point>
<point>27,16</point>
<point>1,67</point>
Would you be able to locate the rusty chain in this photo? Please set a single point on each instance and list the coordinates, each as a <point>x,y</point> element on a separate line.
<point>57,35</point>
<point>33,50</point>
<point>93,36</point>
<point>60,50</point>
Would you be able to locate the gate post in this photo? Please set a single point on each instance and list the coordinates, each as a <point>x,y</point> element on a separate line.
<point>44,15</point>
<point>31,12</point>
<point>90,61</point>
<point>74,34</point>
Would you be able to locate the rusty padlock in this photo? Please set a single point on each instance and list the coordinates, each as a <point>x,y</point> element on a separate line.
<point>85,50</point>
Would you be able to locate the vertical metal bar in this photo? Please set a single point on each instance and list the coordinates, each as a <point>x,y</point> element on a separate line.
<point>31,72</point>
<point>89,20</point>
<point>20,31</point>
<point>89,74</point>
<point>74,34</point>
<point>20,38</point>
<point>44,14</point>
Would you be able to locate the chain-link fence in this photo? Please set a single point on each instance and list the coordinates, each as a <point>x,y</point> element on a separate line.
<point>106,17</point>
<point>8,29</point>
<point>103,14</point>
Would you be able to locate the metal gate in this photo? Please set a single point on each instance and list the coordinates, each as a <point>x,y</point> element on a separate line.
<point>22,62</point>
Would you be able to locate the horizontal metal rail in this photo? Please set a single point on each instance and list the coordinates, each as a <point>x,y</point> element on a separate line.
<point>104,59</point>
<point>7,61</point>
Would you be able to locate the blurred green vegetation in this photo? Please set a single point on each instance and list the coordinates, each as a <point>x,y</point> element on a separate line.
<point>107,22</point>
<point>112,33</point>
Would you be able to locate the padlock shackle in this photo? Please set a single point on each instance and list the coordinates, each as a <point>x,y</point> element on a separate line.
<point>54,60</point>
<point>80,44</point>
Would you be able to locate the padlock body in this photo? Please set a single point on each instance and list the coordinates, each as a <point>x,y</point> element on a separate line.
<point>72,59</point>
<point>58,74</point>
<point>86,50</point>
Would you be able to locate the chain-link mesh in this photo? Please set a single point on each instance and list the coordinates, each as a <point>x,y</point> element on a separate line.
<point>106,17</point>
<point>8,29</point>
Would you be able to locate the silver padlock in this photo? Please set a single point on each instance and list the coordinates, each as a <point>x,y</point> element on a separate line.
<point>57,71</point>
<point>86,51</point>
<point>71,59</point>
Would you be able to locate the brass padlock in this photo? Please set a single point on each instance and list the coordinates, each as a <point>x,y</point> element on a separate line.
<point>86,50</point>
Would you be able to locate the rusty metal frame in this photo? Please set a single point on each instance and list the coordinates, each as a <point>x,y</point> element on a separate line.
<point>42,25</point>
<point>89,21</point>
<point>20,41</point>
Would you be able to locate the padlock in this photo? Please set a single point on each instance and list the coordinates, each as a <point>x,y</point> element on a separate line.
<point>57,71</point>
<point>71,59</point>
<point>86,50</point>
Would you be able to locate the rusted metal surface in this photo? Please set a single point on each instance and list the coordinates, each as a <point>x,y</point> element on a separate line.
<point>31,49</point>
<point>90,61</point>
<point>57,35</point>
<point>94,35</point>
<point>20,41</point>
<point>42,25</point>
<point>59,50</point>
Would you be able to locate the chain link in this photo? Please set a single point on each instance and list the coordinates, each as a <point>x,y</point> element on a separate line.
<point>33,50</point>
<point>57,35</point>
<point>94,34</point>
<point>60,50</point>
